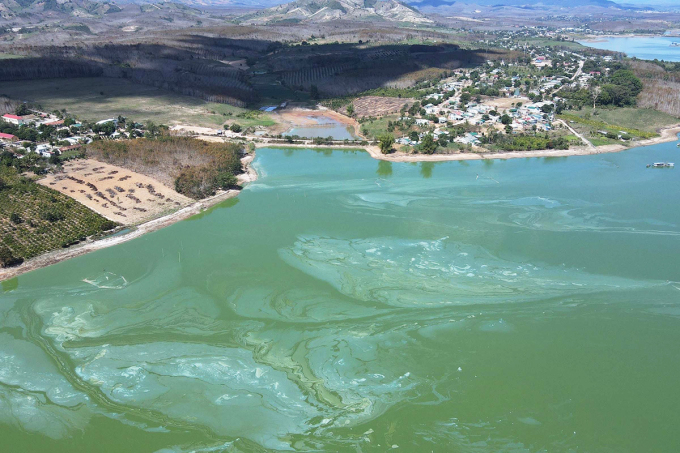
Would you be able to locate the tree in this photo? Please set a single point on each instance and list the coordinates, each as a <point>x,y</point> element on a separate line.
<point>22,110</point>
<point>428,145</point>
<point>105,128</point>
<point>626,78</point>
<point>350,110</point>
<point>385,142</point>
<point>8,259</point>
<point>505,119</point>
<point>465,98</point>
<point>414,136</point>
<point>595,93</point>
<point>235,128</point>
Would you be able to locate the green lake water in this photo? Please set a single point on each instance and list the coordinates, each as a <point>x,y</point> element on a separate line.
<point>345,304</point>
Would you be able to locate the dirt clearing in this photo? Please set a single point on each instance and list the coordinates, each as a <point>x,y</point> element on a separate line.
<point>379,106</point>
<point>114,192</point>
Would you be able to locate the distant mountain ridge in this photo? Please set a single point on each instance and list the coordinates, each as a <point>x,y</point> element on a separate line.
<point>82,8</point>
<point>523,3</point>
<point>327,10</point>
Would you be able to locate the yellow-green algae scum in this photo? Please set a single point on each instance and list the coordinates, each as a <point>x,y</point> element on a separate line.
<point>345,304</point>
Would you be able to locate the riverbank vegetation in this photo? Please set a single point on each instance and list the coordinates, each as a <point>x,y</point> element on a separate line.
<point>524,142</point>
<point>194,167</point>
<point>36,219</point>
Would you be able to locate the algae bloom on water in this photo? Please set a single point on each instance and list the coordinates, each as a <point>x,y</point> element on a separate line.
<point>527,305</point>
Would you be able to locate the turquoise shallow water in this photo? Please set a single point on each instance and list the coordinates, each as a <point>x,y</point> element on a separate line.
<point>345,304</point>
<point>644,48</point>
<point>326,127</point>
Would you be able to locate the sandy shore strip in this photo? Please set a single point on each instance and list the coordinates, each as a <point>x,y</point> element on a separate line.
<point>197,207</point>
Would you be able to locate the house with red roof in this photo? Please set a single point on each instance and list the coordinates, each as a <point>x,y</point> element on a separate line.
<point>18,120</point>
<point>9,137</point>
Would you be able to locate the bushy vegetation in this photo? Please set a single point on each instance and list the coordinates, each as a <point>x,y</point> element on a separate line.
<point>619,90</point>
<point>35,219</point>
<point>195,168</point>
<point>385,142</point>
<point>525,142</point>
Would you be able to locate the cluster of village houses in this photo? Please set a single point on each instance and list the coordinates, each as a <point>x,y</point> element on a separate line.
<point>450,111</point>
<point>47,148</point>
<point>444,108</point>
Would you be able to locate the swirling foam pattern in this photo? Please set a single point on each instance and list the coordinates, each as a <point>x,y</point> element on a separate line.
<point>407,273</point>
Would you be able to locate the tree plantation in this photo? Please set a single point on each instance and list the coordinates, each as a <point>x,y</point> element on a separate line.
<point>35,219</point>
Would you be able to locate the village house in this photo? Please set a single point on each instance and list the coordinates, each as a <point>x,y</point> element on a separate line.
<point>18,120</point>
<point>55,123</point>
<point>469,138</point>
<point>456,115</point>
<point>69,148</point>
<point>431,109</point>
<point>8,137</point>
<point>45,150</point>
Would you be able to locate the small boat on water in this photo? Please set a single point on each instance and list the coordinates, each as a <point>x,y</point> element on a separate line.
<point>675,44</point>
<point>662,165</point>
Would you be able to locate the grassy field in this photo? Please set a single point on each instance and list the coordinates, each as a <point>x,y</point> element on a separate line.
<point>647,120</point>
<point>638,123</point>
<point>8,56</point>
<point>378,127</point>
<point>603,141</point>
<point>35,219</point>
<point>100,98</point>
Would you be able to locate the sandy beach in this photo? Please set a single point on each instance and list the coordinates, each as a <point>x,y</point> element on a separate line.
<point>197,207</point>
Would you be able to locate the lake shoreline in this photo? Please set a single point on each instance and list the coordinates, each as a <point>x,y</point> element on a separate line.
<point>604,38</point>
<point>250,175</point>
<point>667,134</point>
<point>57,256</point>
